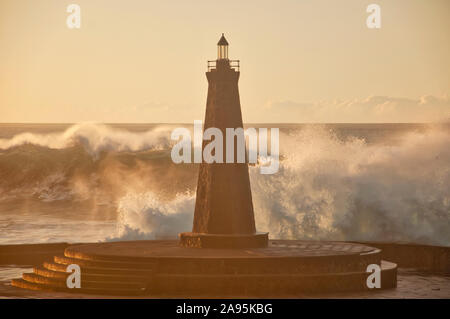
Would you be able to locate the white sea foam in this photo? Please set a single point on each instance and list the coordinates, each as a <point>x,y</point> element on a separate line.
<point>95,138</point>
<point>327,187</point>
<point>144,216</point>
<point>331,189</point>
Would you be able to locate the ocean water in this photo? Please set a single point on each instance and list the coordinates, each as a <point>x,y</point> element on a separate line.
<point>94,182</point>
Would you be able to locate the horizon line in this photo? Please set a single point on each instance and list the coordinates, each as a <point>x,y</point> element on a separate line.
<point>191,123</point>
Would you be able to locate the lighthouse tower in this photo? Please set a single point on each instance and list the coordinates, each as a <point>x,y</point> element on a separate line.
<point>223,215</point>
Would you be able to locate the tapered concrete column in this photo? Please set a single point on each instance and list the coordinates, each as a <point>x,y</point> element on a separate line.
<point>223,207</point>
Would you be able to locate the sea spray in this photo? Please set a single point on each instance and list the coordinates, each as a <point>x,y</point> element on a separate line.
<point>365,182</point>
<point>144,216</point>
<point>330,189</point>
<point>347,190</point>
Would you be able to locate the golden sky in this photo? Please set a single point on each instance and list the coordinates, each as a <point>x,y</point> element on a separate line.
<point>302,60</point>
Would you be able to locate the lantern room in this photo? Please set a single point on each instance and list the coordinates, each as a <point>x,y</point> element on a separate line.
<point>222,49</point>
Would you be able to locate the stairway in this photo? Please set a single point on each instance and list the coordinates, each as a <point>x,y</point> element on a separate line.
<point>173,271</point>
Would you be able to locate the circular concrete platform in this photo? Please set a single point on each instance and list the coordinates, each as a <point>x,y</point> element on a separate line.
<point>163,267</point>
<point>150,249</point>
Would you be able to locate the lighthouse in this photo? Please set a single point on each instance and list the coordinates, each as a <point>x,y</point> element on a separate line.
<point>224,216</point>
<point>223,255</point>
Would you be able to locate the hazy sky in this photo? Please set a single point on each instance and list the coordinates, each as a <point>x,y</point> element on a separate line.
<point>302,60</point>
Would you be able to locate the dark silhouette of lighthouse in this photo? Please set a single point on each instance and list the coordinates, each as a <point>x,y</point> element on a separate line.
<point>223,215</point>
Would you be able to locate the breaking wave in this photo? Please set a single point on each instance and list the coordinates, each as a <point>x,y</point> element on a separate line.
<point>347,190</point>
<point>329,186</point>
<point>94,138</point>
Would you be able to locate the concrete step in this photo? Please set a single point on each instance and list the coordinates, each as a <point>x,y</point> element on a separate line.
<point>103,264</point>
<point>223,284</point>
<point>236,284</point>
<point>99,270</point>
<point>90,276</point>
<point>21,283</point>
<point>61,282</point>
<point>162,267</point>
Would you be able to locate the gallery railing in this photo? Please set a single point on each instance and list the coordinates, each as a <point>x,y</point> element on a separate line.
<point>234,64</point>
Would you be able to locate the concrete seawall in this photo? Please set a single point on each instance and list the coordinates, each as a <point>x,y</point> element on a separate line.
<point>421,257</point>
<point>30,254</point>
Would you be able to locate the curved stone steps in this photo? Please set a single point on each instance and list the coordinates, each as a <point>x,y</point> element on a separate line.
<point>54,266</point>
<point>284,283</point>
<point>99,270</point>
<point>61,282</point>
<point>21,283</point>
<point>217,284</point>
<point>103,264</point>
<point>222,284</point>
<point>168,269</point>
<point>98,277</point>
<point>91,276</point>
<point>280,256</point>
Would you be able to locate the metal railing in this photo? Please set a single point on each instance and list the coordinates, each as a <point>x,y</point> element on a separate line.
<point>234,64</point>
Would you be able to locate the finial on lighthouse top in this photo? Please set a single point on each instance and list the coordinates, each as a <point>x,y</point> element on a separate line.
<point>222,48</point>
<point>222,40</point>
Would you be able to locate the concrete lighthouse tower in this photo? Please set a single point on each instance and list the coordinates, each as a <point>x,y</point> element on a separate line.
<point>223,210</point>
